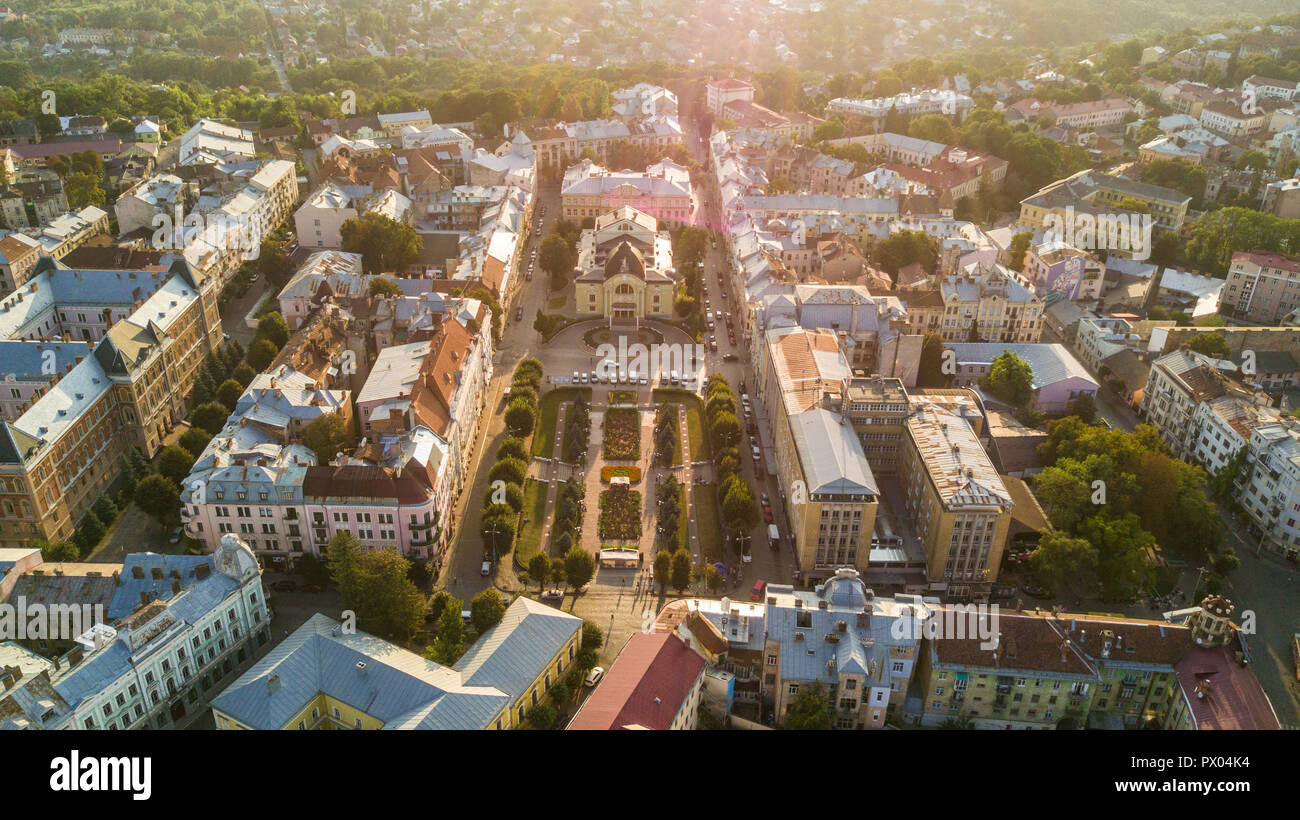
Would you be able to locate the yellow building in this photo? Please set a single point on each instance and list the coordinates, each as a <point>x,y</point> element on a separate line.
<point>955,500</point>
<point>323,677</point>
<point>1040,670</point>
<point>625,268</point>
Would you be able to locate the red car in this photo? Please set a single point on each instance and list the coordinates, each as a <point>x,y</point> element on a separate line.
<point>310,588</point>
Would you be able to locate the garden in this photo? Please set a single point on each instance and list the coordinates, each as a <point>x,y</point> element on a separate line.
<point>631,472</point>
<point>622,435</point>
<point>620,514</point>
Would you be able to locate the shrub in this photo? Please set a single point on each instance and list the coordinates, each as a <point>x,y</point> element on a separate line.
<point>632,472</point>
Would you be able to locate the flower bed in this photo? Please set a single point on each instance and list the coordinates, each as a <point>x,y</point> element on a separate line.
<point>622,397</point>
<point>620,514</point>
<point>622,435</point>
<point>632,472</point>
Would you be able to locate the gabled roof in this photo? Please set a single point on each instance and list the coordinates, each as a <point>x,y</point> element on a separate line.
<point>646,687</point>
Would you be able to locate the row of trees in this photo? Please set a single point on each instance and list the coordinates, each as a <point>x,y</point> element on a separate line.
<point>577,432</point>
<point>521,411</point>
<point>739,507</point>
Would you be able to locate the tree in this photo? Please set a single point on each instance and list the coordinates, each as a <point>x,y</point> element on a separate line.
<point>89,532</point>
<point>681,570</point>
<point>1084,406</point>
<point>592,636</point>
<point>810,710</point>
<point>1065,563</point>
<point>739,509</point>
<point>579,567</point>
<point>931,372</point>
<point>384,597</point>
<point>520,416</point>
<point>327,436</point>
<point>724,430</point>
<point>933,127</point>
<point>449,639</point>
<point>243,374</point>
<point>159,497</point>
<point>510,470</point>
<point>486,610</point>
<point>261,353</point>
<point>210,417</point>
<point>663,569</point>
<point>513,447</point>
<point>62,551</point>
<point>195,440</point>
<point>228,394</point>
<point>539,569</point>
<point>557,257</point>
<point>498,531</point>
<point>384,244</point>
<point>381,286</point>
<point>541,716</point>
<point>712,578</point>
<point>175,463</point>
<point>83,189</point>
<point>904,248</point>
<point>273,327</point>
<point>1016,252</point>
<point>1010,378</point>
<point>1209,344</point>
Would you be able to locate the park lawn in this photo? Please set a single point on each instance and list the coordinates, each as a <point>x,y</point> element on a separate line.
<point>705,510</point>
<point>529,542</point>
<point>548,412</point>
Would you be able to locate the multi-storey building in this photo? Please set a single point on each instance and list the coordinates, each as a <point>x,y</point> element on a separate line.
<point>718,93</point>
<point>1221,426</point>
<point>625,267</point>
<point>656,682</point>
<point>1045,670</point>
<point>1177,383</point>
<point>18,255</point>
<point>152,330</point>
<point>1232,120</point>
<point>176,627</point>
<point>1262,287</point>
<point>663,191</point>
<point>861,650</point>
<point>357,681</point>
<point>831,494</point>
<point>874,111</point>
<point>955,500</point>
<point>33,197</point>
<point>988,303</point>
<point>1269,485</point>
<point>565,143</point>
<point>1089,195</point>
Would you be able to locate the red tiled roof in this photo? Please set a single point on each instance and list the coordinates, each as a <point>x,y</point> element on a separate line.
<point>650,679</point>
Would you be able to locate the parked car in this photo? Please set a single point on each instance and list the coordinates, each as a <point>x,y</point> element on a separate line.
<point>519,313</point>
<point>594,676</point>
<point>284,586</point>
<point>312,588</point>
<point>729,357</point>
<point>576,378</point>
<point>486,569</point>
<point>175,537</point>
<point>552,595</point>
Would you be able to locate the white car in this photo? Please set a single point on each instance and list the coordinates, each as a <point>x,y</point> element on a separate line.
<point>576,378</point>
<point>486,568</point>
<point>594,676</point>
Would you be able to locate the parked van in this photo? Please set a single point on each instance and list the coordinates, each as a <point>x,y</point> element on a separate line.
<point>675,378</point>
<point>756,594</point>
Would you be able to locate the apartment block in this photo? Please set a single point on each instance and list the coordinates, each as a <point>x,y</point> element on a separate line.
<point>955,500</point>
<point>1262,287</point>
<point>176,627</point>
